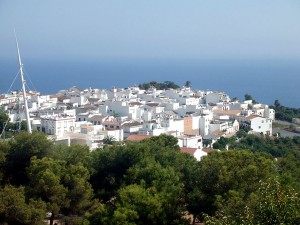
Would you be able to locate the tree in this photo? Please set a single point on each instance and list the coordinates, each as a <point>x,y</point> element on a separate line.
<point>63,187</point>
<point>14,209</point>
<point>249,97</point>
<point>4,149</point>
<point>222,143</point>
<point>165,180</point>
<point>159,86</point>
<point>22,147</point>
<point>109,139</point>
<point>234,99</point>
<point>274,205</point>
<point>277,103</point>
<point>99,216</point>
<point>187,84</point>
<point>80,193</point>
<point>289,169</point>
<point>277,205</point>
<point>72,155</point>
<point>4,122</point>
<point>226,180</point>
<point>109,165</point>
<point>46,183</point>
<point>138,205</point>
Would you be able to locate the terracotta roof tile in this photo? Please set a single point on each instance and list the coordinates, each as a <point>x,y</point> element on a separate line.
<point>138,137</point>
<point>190,151</point>
<point>252,117</point>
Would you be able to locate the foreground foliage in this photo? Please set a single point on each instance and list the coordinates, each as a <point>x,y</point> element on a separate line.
<point>149,182</point>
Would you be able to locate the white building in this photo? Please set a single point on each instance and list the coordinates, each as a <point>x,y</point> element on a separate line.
<point>56,124</point>
<point>259,124</point>
<point>190,141</point>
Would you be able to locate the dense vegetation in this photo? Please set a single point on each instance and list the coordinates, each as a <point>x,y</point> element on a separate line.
<point>7,128</point>
<point>149,182</point>
<point>159,86</point>
<point>285,113</point>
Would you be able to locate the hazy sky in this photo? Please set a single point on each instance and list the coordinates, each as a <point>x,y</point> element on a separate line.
<point>191,29</point>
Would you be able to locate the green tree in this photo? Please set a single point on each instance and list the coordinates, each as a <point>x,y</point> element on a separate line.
<point>137,205</point>
<point>72,155</point>
<point>99,216</point>
<point>80,193</point>
<point>14,209</point>
<point>274,205</point>
<point>277,205</point>
<point>165,180</point>
<point>159,86</point>
<point>22,147</point>
<point>4,122</point>
<point>227,179</point>
<point>46,183</point>
<point>109,140</point>
<point>109,165</point>
<point>187,83</point>
<point>289,169</point>
<point>277,103</point>
<point>65,188</point>
<point>249,97</point>
<point>4,149</point>
<point>223,142</point>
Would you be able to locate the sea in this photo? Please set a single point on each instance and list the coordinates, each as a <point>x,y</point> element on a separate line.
<point>264,80</point>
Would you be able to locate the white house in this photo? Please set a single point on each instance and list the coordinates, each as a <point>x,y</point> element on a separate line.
<point>190,141</point>
<point>56,124</point>
<point>259,124</point>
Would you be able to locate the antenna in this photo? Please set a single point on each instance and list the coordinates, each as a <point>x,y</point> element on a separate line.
<point>23,87</point>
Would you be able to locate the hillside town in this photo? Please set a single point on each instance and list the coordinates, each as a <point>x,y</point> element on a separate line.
<point>95,117</point>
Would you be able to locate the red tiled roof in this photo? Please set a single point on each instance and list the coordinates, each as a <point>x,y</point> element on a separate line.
<point>252,117</point>
<point>190,151</point>
<point>138,137</point>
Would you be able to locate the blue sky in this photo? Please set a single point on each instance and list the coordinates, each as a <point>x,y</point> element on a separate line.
<point>152,29</point>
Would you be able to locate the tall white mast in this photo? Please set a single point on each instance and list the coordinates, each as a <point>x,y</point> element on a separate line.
<point>24,91</point>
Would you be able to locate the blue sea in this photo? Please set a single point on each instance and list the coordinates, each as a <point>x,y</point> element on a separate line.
<point>265,80</point>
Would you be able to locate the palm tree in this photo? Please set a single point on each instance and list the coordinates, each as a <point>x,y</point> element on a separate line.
<point>109,139</point>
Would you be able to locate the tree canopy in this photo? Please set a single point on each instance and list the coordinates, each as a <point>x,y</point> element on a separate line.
<point>159,86</point>
<point>149,182</point>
